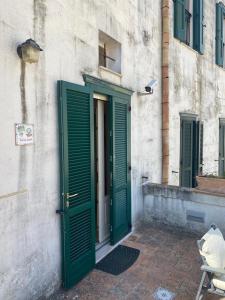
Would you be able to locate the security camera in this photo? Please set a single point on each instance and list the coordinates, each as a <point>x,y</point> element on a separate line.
<point>150,86</point>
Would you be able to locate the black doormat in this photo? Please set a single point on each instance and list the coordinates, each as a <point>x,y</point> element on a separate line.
<point>119,260</point>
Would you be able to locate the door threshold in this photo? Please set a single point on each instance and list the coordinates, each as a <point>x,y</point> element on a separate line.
<point>98,246</point>
<point>105,249</point>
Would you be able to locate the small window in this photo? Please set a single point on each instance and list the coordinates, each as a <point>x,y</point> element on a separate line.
<point>188,23</point>
<point>109,53</point>
<point>220,34</point>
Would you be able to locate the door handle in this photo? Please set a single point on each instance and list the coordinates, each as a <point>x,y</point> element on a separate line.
<point>60,211</point>
<point>68,196</point>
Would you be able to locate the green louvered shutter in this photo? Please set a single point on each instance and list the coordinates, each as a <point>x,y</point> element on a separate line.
<point>186,170</point>
<point>197,153</point>
<point>219,34</point>
<point>179,19</point>
<point>120,165</point>
<point>198,26</point>
<point>77,181</point>
<point>222,149</point>
<point>201,135</point>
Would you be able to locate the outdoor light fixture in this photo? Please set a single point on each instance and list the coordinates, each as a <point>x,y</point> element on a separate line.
<point>29,51</point>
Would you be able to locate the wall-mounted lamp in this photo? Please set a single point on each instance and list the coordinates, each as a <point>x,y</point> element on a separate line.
<point>149,88</point>
<point>29,51</point>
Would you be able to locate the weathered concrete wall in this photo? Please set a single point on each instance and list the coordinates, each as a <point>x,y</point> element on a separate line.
<point>29,190</point>
<point>181,207</point>
<point>196,86</point>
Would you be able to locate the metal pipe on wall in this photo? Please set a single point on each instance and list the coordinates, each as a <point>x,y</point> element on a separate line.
<point>165,91</point>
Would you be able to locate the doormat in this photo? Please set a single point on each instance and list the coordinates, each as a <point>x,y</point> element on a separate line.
<point>119,260</point>
<point>163,294</point>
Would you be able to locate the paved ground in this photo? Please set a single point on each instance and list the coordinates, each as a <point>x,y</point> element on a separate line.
<point>168,259</point>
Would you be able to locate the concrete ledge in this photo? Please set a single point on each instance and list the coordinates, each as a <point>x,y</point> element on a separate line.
<point>190,209</point>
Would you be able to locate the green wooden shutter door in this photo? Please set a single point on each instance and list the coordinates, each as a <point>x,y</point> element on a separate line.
<point>77,181</point>
<point>198,28</point>
<point>179,19</point>
<point>201,135</point>
<point>195,152</point>
<point>197,156</point>
<point>186,152</point>
<point>219,34</point>
<point>121,198</point>
<point>222,150</point>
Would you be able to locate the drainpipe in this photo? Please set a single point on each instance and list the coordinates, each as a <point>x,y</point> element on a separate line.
<point>165,91</point>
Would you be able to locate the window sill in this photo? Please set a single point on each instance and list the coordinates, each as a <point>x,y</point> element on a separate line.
<point>110,75</point>
<point>220,68</point>
<point>187,46</point>
<point>110,71</point>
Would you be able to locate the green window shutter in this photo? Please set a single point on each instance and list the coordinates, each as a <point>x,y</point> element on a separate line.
<point>219,34</point>
<point>201,135</point>
<point>186,171</point>
<point>198,26</point>
<point>77,181</point>
<point>179,19</point>
<point>120,152</point>
<point>197,151</point>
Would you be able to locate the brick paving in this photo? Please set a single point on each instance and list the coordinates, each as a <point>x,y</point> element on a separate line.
<point>168,259</point>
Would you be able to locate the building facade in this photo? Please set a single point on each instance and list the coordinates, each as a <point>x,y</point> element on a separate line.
<point>94,135</point>
<point>73,35</point>
<point>196,86</point>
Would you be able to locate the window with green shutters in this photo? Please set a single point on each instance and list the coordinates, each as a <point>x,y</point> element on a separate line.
<point>188,23</point>
<point>220,34</point>
<point>198,26</point>
<point>179,19</point>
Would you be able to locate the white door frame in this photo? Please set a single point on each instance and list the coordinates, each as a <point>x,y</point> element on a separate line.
<point>102,199</point>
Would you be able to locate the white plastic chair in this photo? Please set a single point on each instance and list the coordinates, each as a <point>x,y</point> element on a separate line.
<point>212,251</point>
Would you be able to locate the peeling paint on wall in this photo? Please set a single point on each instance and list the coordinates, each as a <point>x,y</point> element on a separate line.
<point>41,109</point>
<point>131,38</point>
<point>39,20</point>
<point>22,155</point>
<point>23,91</point>
<point>146,36</point>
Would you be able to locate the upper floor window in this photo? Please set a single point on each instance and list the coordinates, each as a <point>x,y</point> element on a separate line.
<point>109,52</point>
<point>188,23</point>
<point>220,34</point>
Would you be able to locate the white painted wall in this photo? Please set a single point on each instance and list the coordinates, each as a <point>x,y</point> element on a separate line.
<point>196,86</point>
<point>189,210</point>
<point>29,178</point>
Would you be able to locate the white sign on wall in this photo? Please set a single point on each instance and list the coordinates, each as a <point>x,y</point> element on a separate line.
<point>24,134</point>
